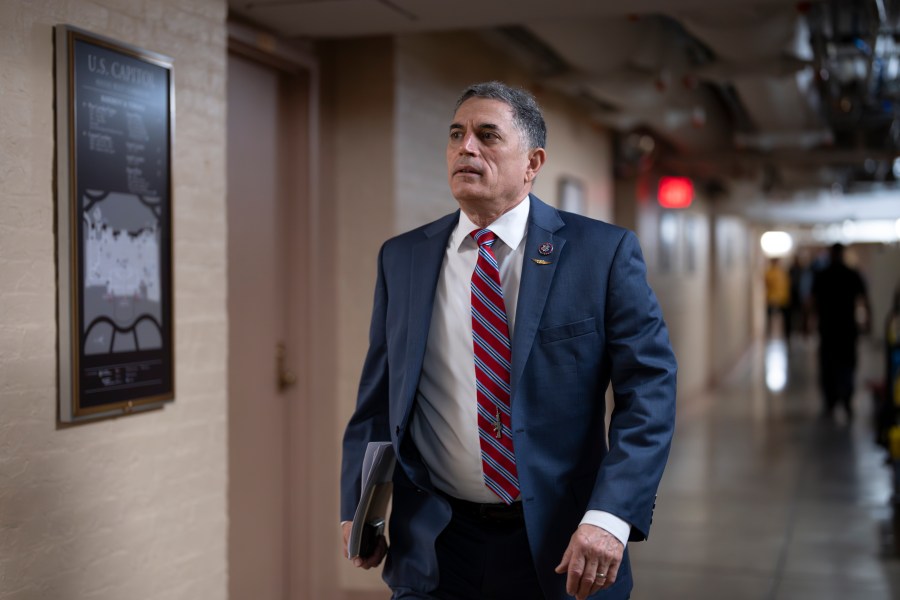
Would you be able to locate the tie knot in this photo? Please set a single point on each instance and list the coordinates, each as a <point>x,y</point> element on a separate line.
<point>484,237</point>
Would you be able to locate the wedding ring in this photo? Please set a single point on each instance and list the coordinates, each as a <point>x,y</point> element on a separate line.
<point>601,575</point>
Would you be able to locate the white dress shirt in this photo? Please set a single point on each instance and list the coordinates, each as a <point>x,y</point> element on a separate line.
<point>444,425</point>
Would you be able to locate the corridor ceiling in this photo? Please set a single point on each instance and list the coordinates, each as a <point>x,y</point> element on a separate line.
<point>798,99</point>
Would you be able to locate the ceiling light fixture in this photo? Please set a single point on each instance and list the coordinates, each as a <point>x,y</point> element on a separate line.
<point>776,243</point>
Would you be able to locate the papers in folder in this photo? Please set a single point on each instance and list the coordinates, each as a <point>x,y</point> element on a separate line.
<point>377,473</point>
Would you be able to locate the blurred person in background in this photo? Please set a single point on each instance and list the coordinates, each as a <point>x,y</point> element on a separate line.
<point>778,297</point>
<point>801,277</point>
<point>838,290</point>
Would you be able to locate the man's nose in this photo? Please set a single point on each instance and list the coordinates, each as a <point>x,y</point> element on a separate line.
<point>469,144</point>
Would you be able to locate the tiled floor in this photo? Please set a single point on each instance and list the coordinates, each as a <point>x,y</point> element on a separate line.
<point>765,500</point>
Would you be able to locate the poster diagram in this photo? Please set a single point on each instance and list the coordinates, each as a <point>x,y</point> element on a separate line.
<point>122,302</point>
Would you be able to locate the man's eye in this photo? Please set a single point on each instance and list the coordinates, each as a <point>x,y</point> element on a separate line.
<point>455,135</point>
<point>489,135</point>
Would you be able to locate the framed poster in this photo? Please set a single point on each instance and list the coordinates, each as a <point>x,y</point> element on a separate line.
<point>114,124</point>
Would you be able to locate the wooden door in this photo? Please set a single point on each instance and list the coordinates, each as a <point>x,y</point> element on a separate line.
<point>267,199</point>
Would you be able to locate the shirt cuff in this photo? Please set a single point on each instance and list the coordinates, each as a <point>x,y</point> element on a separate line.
<point>617,527</point>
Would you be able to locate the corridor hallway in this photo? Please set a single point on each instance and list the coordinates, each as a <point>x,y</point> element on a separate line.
<point>763,499</point>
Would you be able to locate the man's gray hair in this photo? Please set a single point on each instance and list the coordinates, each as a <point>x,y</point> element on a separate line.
<point>527,114</point>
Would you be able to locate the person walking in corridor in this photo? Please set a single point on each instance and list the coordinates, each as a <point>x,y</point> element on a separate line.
<point>495,333</point>
<point>778,297</point>
<point>800,276</point>
<point>838,290</point>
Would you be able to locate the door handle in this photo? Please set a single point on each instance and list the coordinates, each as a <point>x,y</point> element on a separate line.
<point>286,377</point>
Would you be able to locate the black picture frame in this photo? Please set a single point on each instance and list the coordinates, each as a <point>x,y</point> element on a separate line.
<point>115,110</point>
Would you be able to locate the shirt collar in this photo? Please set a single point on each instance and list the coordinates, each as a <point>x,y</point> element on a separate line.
<point>510,227</point>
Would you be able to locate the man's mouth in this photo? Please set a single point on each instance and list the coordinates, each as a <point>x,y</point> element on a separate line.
<point>467,171</point>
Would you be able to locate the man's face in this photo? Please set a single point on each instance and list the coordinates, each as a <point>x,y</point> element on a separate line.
<point>488,162</point>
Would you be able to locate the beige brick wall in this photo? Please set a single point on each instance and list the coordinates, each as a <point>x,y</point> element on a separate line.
<point>131,507</point>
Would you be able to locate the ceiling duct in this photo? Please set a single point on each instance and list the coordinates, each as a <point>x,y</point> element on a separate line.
<point>766,55</point>
<point>644,67</point>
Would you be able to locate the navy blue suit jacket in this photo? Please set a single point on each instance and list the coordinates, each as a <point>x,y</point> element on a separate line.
<point>583,321</point>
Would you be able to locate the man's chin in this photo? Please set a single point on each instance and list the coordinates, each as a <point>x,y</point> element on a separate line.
<point>465,192</point>
<point>470,198</point>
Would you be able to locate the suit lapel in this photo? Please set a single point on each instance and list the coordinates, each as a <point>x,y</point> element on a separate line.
<point>543,222</point>
<point>426,256</point>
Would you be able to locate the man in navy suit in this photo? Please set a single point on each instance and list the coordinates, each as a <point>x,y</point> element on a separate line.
<point>577,314</point>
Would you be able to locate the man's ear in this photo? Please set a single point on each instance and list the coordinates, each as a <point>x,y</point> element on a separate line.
<point>536,160</point>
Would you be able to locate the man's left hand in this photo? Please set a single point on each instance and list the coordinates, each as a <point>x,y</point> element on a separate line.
<point>592,552</point>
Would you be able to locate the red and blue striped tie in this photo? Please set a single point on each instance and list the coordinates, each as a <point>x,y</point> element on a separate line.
<point>493,355</point>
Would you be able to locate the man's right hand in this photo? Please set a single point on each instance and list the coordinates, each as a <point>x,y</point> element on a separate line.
<point>365,562</point>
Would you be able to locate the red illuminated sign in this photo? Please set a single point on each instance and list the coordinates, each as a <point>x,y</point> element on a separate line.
<point>675,192</point>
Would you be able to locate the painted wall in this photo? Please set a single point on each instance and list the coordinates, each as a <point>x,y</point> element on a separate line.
<point>676,245</point>
<point>700,264</point>
<point>881,270</point>
<point>131,507</point>
<point>736,313</point>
